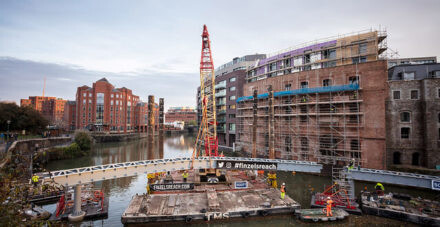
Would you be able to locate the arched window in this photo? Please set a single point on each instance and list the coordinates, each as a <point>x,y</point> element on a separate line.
<point>405,117</point>
<point>415,158</point>
<point>396,158</point>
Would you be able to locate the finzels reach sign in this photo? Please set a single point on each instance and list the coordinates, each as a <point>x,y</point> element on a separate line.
<point>246,165</point>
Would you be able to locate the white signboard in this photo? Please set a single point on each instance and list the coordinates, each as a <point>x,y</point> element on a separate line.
<point>435,184</point>
<point>241,184</point>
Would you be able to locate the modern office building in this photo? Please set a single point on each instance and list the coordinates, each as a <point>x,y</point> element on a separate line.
<point>51,108</point>
<point>413,115</point>
<point>328,102</point>
<point>411,61</point>
<point>229,80</point>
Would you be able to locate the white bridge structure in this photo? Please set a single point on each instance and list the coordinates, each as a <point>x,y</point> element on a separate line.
<point>72,177</point>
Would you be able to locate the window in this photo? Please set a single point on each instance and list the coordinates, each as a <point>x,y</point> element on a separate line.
<point>326,82</point>
<point>232,89</point>
<point>414,94</point>
<point>288,143</point>
<point>231,116</point>
<point>404,132</point>
<point>396,95</point>
<point>111,95</point>
<point>232,107</point>
<point>362,48</point>
<point>356,60</point>
<point>408,75</point>
<point>231,127</point>
<point>272,66</point>
<point>111,102</point>
<point>405,117</point>
<point>90,94</point>
<point>353,80</point>
<point>232,97</point>
<point>304,144</point>
<point>396,158</point>
<point>304,84</point>
<point>354,145</point>
<point>84,94</point>
<point>415,158</point>
<point>232,79</point>
<point>287,87</point>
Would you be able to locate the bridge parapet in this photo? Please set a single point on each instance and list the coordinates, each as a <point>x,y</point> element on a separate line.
<point>393,177</point>
<point>89,174</point>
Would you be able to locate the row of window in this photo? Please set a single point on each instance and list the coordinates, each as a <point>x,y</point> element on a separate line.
<point>325,83</point>
<point>414,94</point>
<point>405,133</point>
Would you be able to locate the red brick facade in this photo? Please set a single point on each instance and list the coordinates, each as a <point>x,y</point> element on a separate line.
<point>185,114</point>
<point>52,108</point>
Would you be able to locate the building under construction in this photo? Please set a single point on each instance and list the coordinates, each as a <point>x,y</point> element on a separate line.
<point>324,101</point>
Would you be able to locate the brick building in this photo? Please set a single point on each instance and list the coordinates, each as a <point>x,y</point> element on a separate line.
<point>70,115</point>
<point>103,107</point>
<point>185,114</point>
<point>413,115</point>
<point>328,102</point>
<point>51,108</point>
<point>229,80</point>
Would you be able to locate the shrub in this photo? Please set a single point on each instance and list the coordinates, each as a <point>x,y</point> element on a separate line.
<point>83,140</point>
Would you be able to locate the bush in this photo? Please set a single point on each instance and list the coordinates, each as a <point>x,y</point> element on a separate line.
<point>83,140</point>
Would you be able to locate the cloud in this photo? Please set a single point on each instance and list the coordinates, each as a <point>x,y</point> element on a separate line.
<point>23,78</point>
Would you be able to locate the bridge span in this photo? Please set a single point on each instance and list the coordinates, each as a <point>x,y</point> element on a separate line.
<point>72,177</point>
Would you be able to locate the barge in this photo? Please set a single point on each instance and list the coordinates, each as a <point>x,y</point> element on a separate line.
<point>402,207</point>
<point>210,205</point>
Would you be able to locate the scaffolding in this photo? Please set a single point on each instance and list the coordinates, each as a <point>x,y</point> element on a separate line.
<point>320,124</point>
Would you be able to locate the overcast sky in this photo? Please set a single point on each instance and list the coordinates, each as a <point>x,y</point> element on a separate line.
<point>153,47</point>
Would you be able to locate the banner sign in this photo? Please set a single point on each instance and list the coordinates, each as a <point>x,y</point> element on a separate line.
<point>241,184</point>
<point>435,184</point>
<point>171,187</point>
<point>246,165</point>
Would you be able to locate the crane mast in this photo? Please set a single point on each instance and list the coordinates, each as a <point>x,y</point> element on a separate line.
<point>208,125</point>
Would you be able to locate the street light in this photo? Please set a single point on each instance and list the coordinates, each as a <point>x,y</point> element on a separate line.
<point>8,122</point>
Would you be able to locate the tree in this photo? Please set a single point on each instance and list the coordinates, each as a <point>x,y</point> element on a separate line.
<point>22,118</point>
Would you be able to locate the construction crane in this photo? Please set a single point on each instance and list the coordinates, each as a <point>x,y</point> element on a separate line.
<point>207,134</point>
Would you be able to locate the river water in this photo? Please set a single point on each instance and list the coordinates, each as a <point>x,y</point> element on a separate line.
<point>120,191</point>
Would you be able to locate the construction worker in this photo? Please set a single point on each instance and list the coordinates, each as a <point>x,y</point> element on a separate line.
<point>329,206</point>
<point>168,178</point>
<point>283,190</point>
<point>379,188</point>
<point>351,164</point>
<point>272,179</point>
<point>35,179</point>
<point>185,175</point>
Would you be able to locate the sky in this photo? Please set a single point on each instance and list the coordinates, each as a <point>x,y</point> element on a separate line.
<point>153,47</point>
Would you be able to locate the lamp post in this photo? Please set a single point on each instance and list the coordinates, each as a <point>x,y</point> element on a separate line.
<point>8,122</point>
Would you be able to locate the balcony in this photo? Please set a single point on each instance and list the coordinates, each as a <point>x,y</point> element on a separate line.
<point>220,112</point>
<point>220,93</point>
<point>221,121</point>
<point>220,103</point>
<point>221,85</point>
<point>220,129</point>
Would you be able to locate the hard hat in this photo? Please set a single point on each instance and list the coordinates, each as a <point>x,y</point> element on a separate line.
<point>284,184</point>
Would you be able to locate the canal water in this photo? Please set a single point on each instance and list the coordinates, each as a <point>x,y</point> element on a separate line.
<point>299,186</point>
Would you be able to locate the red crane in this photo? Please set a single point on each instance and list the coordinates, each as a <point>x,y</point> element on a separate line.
<point>208,126</point>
